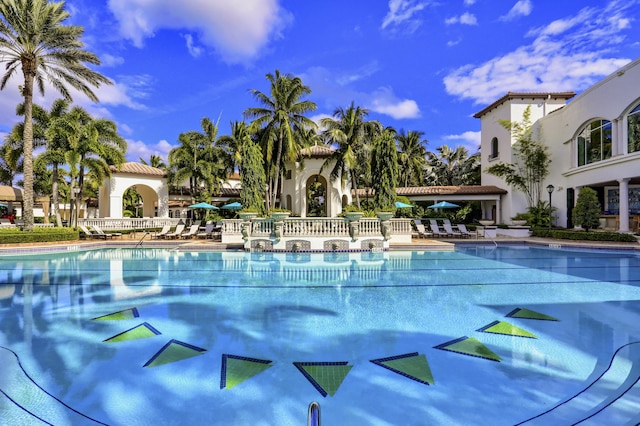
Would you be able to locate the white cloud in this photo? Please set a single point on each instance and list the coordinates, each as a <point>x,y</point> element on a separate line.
<point>403,12</point>
<point>384,101</point>
<point>464,19</point>
<point>521,8</point>
<point>565,55</point>
<point>237,30</point>
<point>469,2</point>
<point>139,149</point>
<point>469,139</point>
<point>108,60</point>
<point>194,50</point>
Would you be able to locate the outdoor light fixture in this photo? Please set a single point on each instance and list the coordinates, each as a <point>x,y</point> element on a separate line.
<point>550,189</point>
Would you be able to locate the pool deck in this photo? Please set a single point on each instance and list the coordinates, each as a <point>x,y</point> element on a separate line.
<point>426,244</point>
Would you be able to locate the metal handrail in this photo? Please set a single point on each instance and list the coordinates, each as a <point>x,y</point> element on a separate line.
<point>313,417</point>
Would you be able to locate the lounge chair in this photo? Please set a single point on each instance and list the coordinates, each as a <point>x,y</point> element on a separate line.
<point>421,230</point>
<point>449,230</point>
<point>193,231</point>
<point>163,233</point>
<point>208,231</point>
<point>465,232</point>
<point>176,233</point>
<point>435,229</point>
<point>89,234</point>
<point>106,235</point>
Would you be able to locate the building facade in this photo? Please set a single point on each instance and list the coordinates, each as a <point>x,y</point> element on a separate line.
<point>593,141</point>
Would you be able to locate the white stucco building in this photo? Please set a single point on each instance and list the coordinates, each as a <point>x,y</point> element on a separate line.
<point>593,140</point>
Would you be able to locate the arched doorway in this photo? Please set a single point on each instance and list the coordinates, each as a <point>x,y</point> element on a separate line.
<point>139,201</point>
<point>316,196</point>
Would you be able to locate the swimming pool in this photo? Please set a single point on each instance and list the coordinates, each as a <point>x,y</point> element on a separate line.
<point>485,334</point>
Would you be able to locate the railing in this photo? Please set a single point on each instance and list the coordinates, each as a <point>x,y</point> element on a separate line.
<point>127,223</point>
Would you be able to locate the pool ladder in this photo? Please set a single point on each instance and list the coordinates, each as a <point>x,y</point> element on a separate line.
<point>313,417</point>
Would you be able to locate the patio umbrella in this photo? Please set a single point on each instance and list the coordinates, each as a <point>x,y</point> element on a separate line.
<point>443,205</point>
<point>232,206</point>
<point>401,205</point>
<point>203,205</point>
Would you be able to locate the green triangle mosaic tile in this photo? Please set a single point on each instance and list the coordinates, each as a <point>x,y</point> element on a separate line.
<point>502,327</point>
<point>174,351</point>
<point>469,346</point>
<point>237,369</point>
<point>529,314</point>
<point>142,331</point>
<point>413,366</point>
<point>127,314</point>
<point>326,377</point>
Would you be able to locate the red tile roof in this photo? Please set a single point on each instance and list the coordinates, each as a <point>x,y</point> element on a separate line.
<point>138,169</point>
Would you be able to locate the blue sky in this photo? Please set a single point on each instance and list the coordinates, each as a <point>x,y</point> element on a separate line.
<point>416,65</point>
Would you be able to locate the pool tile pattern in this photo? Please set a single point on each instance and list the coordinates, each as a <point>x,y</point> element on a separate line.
<point>142,331</point>
<point>173,351</point>
<point>412,365</point>
<point>326,377</point>
<point>236,369</point>
<point>502,327</point>
<point>529,314</point>
<point>126,314</point>
<point>469,346</point>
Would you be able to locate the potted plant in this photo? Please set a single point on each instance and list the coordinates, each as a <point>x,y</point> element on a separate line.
<point>279,214</point>
<point>248,213</point>
<point>520,219</point>
<point>486,222</point>
<point>352,213</point>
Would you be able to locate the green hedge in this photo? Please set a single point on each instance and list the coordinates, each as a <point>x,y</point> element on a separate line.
<point>38,235</point>
<point>566,234</point>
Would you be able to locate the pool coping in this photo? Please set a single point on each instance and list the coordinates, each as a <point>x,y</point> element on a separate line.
<point>441,244</point>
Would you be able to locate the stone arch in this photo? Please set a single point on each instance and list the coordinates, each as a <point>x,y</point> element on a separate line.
<point>316,192</point>
<point>149,181</point>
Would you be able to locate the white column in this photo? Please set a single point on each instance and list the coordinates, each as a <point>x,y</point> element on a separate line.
<point>624,205</point>
<point>615,137</point>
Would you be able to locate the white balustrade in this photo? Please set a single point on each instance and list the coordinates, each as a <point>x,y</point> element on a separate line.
<point>127,223</point>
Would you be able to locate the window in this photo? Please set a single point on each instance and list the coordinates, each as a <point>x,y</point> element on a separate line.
<point>633,120</point>
<point>494,149</point>
<point>288,175</point>
<point>594,142</point>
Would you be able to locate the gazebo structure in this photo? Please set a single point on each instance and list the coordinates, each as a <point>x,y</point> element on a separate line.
<point>149,182</point>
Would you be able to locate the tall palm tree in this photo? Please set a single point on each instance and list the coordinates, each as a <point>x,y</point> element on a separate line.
<point>453,166</point>
<point>90,146</point>
<point>352,134</point>
<point>34,39</point>
<point>282,116</point>
<point>154,161</point>
<point>10,161</point>
<point>201,160</point>
<point>412,156</point>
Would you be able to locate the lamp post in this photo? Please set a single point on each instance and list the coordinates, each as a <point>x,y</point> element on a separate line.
<point>550,189</point>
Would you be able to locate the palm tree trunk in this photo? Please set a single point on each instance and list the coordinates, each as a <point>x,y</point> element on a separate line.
<point>54,195</point>
<point>354,183</point>
<point>276,171</point>
<point>28,70</point>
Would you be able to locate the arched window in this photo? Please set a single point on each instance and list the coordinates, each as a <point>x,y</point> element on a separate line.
<point>594,142</point>
<point>633,120</point>
<point>494,149</point>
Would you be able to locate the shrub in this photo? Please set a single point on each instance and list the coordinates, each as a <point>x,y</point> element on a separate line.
<point>566,234</point>
<point>38,235</point>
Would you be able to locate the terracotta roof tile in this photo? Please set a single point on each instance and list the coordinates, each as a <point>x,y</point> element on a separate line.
<point>138,169</point>
<point>444,190</point>
<point>317,151</point>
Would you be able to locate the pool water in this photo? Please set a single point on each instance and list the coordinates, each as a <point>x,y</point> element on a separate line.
<point>481,335</point>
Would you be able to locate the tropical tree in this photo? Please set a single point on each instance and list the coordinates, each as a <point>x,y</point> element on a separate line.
<point>384,168</point>
<point>412,157</point>
<point>34,39</point>
<point>10,161</point>
<point>90,146</point>
<point>282,117</point>
<point>531,160</point>
<point>349,132</point>
<point>452,167</point>
<point>154,161</point>
<point>252,194</point>
<point>200,161</point>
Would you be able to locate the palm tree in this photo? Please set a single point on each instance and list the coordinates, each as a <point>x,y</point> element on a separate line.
<point>10,161</point>
<point>453,166</point>
<point>33,39</point>
<point>281,115</point>
<point>349,130</point>
<point>154,161</point>
<point>91,146</point>
<point>412,156</point>
<point>201,160</point>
